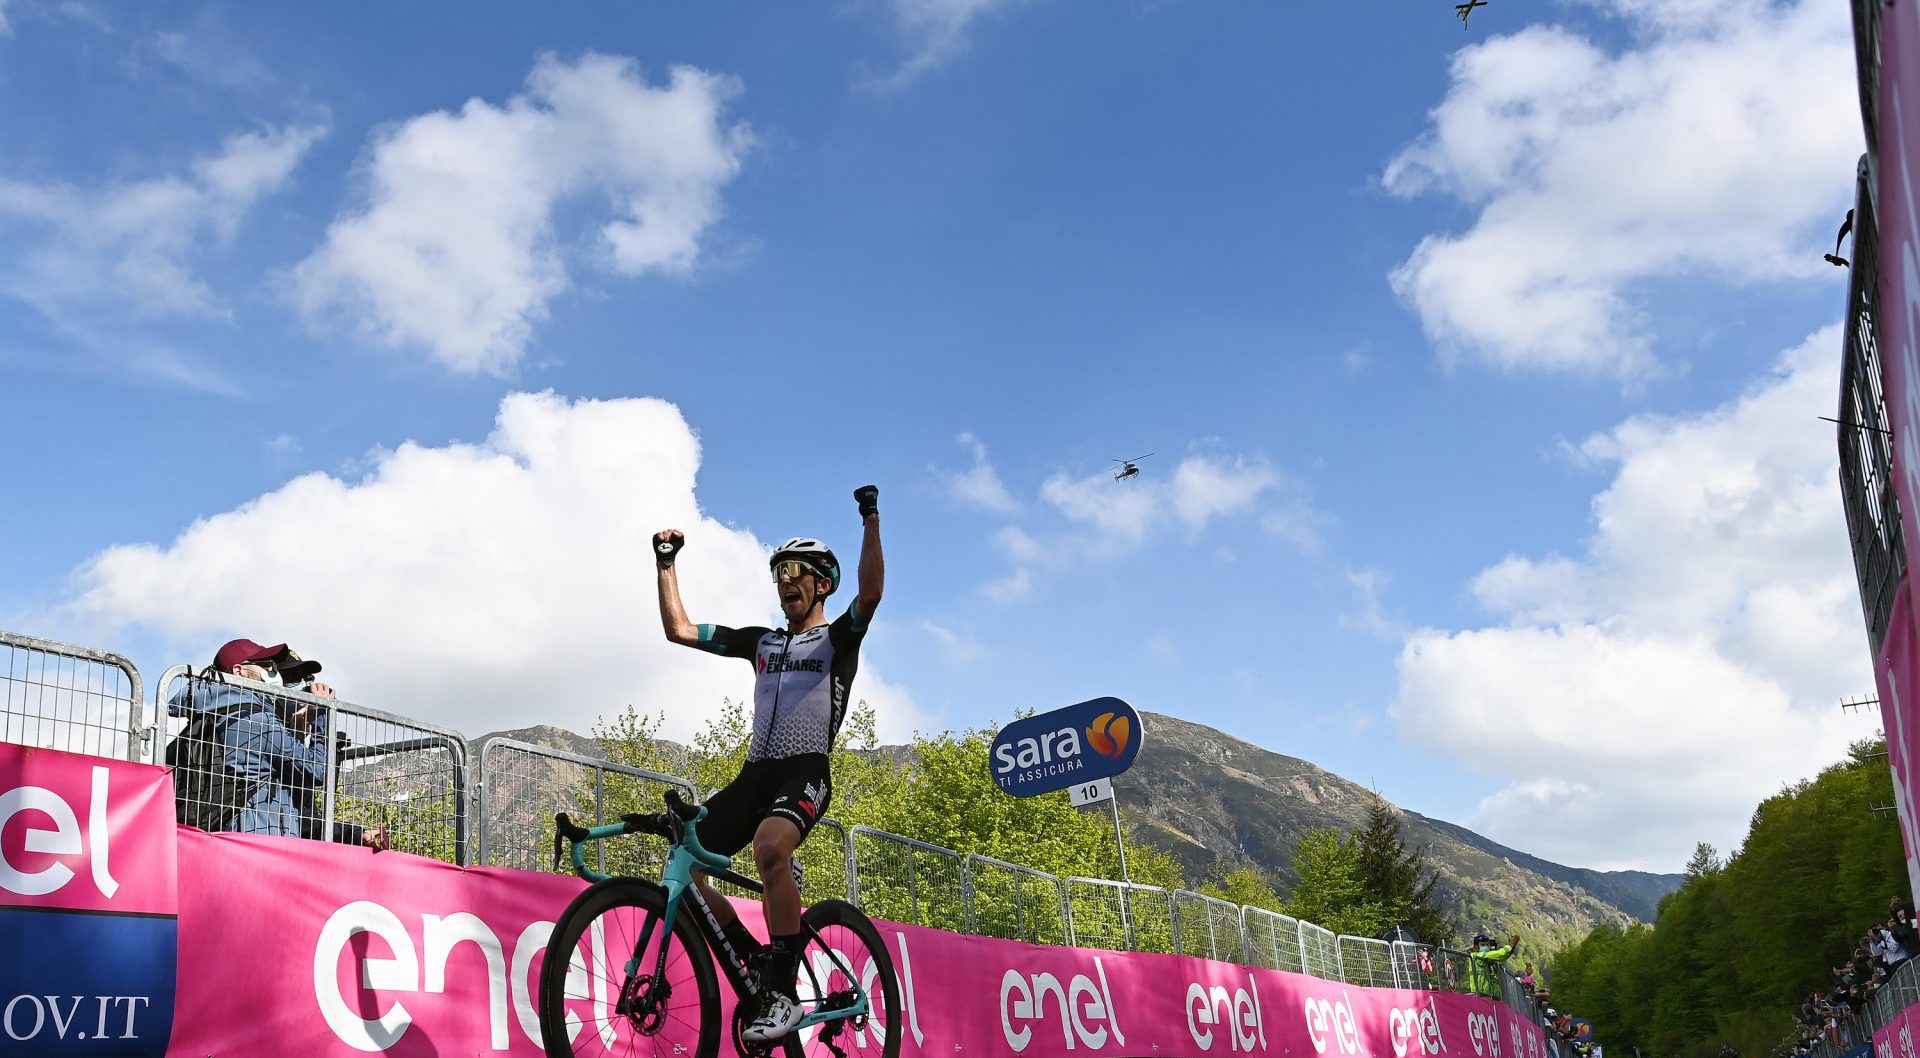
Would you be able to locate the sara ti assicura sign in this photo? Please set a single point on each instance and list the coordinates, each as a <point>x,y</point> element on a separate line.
<point>1077,744</point>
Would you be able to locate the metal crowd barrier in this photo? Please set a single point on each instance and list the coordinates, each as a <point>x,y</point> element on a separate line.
<point>908,880</point>
<point>381,779</point>
<point>66,697</point>
<point>1412,965</point>
<point>1207,926</point>
<point>1365,961</point>
<point>1900,991</point>
<point>1273,940</point>
<point>382,772</point>
<point>523,785</point>
<point>1319,952</point>
<point>1013,902</point>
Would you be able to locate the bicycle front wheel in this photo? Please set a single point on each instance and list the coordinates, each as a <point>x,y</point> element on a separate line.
<point>844,953</point>
<point>601,989</point>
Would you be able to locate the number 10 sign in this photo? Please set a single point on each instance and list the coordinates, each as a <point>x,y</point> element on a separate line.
<point>1088,793</point>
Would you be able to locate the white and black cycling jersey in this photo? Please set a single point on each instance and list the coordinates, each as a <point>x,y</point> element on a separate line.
<point>801,680</point>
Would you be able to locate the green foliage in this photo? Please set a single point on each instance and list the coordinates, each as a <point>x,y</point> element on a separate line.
<point>1744,939</point>
<point>1367,882</point>
<point>1398,879</point>
<point>943,796</point>
<point>1247,886</point>
<point>1332,891</point>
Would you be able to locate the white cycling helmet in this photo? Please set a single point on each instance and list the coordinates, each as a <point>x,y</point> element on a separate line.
<point>813,553</point>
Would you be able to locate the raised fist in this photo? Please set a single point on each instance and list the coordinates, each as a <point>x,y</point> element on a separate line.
<point>666,546</point>
<point>868,496</point>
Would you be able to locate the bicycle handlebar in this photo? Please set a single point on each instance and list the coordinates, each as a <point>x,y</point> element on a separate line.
<point>687,836</point>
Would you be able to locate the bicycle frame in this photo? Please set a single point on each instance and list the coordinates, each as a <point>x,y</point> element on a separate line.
<point>687,857</point>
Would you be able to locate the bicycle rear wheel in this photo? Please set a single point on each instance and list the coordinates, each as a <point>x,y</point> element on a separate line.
<point>843,951</point>
<point>598,990</point>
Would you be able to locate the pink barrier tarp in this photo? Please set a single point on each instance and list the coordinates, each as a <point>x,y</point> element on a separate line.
<point>1898,185</point>
<point>394,954</point>
<point>299,947</point>
<point>87,901</point>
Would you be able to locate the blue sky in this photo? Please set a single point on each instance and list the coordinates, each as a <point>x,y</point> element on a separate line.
<point>1480,367</point>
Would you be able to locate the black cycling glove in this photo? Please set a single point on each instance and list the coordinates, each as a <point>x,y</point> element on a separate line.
<point>665,548</point>
<point>868,497</point>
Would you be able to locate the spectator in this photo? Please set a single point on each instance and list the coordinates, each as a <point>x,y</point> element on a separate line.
<point>297,674</point>
<point>1483,977</point>
<point>266,747</point>
<point>1901,924</point>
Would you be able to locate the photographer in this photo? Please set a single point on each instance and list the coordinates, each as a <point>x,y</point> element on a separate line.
<point>243,749</point>
<point>297,674</point>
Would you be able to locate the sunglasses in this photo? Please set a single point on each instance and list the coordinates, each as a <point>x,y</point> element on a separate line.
<point>793,570</point>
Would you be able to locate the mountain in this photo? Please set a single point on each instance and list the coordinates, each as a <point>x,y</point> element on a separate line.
<point>1217,803</point>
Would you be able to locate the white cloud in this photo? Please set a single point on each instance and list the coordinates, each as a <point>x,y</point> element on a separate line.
<point>978,486</point>
<point>1647,693</point>
<point>482,586</point>
<point>960,648</point>
<point>1104,518</point>
<point>78,249</point>
<point>456,249</point>
<point>1718,145</point>
<point>1368,584</point>
<point>5,29</point>
<point>936,31</point>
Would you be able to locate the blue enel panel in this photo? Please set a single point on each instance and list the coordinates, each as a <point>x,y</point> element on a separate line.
<point>85,983</point>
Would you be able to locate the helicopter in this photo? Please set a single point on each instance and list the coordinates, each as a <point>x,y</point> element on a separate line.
<point>1465,11</point>
<point>1128,467</point>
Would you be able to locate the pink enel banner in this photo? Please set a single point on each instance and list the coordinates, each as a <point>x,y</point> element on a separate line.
<point>1894,672</point>
<point>1897,152</point>
<point>85,833</point>
<point>300,947</point>
<point>1895,1038</point>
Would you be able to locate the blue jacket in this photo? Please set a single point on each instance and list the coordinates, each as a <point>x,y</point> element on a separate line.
<point>262,750</point>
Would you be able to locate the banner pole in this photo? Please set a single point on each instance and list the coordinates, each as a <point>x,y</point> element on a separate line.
<point>1118,842</point>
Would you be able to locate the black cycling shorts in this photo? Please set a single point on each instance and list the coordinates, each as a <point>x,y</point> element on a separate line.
<point>796,789</point>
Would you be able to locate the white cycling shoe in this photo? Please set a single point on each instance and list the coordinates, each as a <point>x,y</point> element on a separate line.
<point>778,1015</point>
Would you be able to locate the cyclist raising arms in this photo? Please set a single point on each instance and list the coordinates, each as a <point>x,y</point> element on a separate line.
<point>799,698</point>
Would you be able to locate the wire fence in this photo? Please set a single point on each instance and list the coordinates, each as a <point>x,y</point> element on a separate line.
<point>331,770</point>
<point>1319,952</point>
<point>523,786</point>
<point>60,696</point>
<point>1014,902</point>
<point>1365,961</point>
<point>1900,991</point>
<point>268,759</point>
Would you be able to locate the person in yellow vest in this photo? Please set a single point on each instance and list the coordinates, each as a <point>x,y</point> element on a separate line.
<point>1483,978</point>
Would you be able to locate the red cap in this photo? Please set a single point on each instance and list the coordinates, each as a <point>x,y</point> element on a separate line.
<point>241,651</point>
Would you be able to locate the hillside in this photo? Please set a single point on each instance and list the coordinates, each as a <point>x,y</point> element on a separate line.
<point>1216,803</point>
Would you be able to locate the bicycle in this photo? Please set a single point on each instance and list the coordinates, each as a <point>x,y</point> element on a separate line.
<point>663,998</point>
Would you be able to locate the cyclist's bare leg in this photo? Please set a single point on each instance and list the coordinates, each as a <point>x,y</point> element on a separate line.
<point>773,845</point>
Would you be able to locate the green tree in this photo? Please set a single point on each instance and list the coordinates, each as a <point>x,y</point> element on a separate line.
<point>1732,951</point>
<point>1248,887</point>
<point>1398,878</point>
<point>941,792</point>
<point>1332,892</point>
